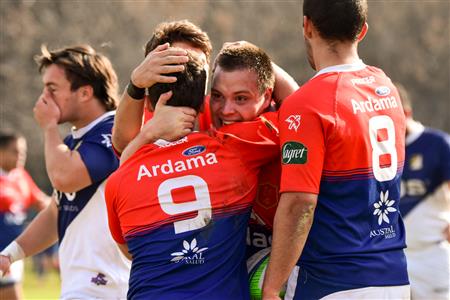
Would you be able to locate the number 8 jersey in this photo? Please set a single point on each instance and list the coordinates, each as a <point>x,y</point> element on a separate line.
<point>342,137</point>
<point>183,210</point>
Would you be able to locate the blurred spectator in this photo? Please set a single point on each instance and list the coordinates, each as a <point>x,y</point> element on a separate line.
<point>18,192</point>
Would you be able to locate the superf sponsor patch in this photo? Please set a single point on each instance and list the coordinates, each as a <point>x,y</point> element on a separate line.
<point>294,153</point>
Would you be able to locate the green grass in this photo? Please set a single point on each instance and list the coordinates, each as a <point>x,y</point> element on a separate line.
<point>46,288</point>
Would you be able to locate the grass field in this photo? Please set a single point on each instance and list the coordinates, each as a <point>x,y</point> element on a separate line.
<point>34,287</point>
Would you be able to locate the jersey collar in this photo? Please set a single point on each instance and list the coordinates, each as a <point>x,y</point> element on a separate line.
<point>357,66</point>
<point>78,133</point>
<point>415,130</point>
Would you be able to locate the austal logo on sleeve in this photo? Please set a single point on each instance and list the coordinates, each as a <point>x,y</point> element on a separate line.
<point>294,153</point>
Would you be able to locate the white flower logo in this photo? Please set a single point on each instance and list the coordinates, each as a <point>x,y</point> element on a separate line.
<point>190,249</point>
<point>384,207</point>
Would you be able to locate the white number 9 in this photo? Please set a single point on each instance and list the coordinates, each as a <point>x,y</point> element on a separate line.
<point>202,203</point>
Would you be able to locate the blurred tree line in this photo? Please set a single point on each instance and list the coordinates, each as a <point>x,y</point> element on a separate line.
<point>410,40</point>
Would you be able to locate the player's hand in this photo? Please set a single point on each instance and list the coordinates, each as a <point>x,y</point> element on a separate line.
<point>5,263</point>
<point>46,112</point>
<point>170,123</point>
<point>162,60</point>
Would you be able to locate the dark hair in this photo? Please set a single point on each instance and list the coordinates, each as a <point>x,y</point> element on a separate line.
<point>180,31</point>
<point>340,20</point>
<point>188,90</point>
<point>7,136</point>
<point>244,55</point>
<point>84,66</point>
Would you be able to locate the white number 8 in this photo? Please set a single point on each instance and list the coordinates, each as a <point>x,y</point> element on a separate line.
<point>383,147</point>
<point>202,203</point>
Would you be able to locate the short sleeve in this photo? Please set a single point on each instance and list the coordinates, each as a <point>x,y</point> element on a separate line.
<point>113,219</point>
<point>98,156</point>
<point>302,143</point>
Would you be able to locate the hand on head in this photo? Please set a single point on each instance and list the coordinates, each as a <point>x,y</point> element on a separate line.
<point>159,62</point>
<point>169,122</point>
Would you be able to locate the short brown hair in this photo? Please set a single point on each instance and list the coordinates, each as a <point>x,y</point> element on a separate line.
<point>188,90</point>
<point>244,55</point>
<point>180,31</point>
<point>84,66</point>
<point>340,20</point>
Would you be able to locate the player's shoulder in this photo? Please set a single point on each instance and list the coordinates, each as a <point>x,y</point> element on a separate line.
<point>437,135</point>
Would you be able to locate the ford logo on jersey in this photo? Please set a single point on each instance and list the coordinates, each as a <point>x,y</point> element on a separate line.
<point>382,91</point>
<point>194,150</point>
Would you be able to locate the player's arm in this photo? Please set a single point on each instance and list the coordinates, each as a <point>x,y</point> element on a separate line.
<point>284,84</point>
<point>168,123</point>
<point>38,236</point>
<point>65,168</point>
<point>292,223</point>
<point>128,121</point>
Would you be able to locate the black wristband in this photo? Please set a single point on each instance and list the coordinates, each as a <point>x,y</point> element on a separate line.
<point>135,92</point>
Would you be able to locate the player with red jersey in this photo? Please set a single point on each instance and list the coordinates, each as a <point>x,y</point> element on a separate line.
<point>342,140</point>
<point>18,193</point>
<point>182,208</point>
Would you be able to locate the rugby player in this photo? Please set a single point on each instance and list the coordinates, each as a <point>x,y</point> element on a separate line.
<point>180,210</point>
<point>18,193</point>
<point>80,88</point>
<point>338,233</point>
<point>425,206</point>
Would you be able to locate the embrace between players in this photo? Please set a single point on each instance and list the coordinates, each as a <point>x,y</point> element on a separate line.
<point>203,173</point>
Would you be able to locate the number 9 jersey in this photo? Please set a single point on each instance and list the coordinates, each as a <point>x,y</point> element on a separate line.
<point>342,137</point>
<point>183,210</point>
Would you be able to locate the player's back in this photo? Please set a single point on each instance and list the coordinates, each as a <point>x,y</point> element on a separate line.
<point>183,209</point>
<point>357,235</point>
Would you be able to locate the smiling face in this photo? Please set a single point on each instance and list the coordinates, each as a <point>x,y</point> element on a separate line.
<point>235,96</point>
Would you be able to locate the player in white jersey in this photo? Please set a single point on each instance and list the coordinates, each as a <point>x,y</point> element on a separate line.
<point>425,205</point>
<point>80,87</point>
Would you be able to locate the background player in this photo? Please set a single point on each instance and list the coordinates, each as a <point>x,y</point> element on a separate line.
<point>425,206</point>
<point>342,137</point>
<point>187,238</point>
<point>18,193</point>
<point>80,87</point>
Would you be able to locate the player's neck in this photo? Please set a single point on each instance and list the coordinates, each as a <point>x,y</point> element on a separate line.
<point>335,54</point>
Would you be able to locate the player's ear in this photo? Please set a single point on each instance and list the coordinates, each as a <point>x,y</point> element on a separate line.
<point>267,97</point>
<point>307,27</point>
<point>363,32</point>
<point>85,92</point>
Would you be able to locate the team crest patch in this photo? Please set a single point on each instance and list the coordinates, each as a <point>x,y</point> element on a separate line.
<point>194,150</point>
<point>99,279</point>
<point>294,153</point>
<point>294,122</point>
<point>416,162</point>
